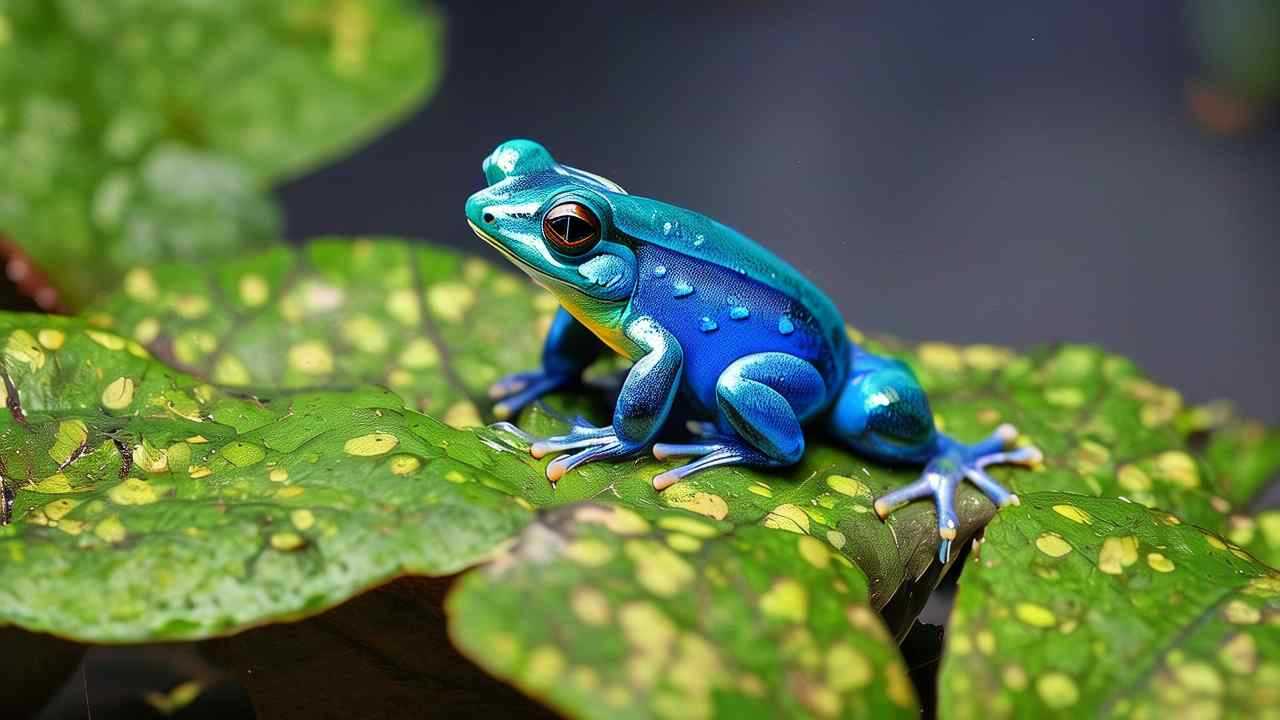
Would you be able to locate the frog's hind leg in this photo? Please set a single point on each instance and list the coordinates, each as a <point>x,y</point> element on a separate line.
<point>763,398</point>
<point>884,413</point>
<point>954,463</point>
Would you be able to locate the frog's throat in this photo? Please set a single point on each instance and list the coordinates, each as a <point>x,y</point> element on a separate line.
<point>603,318</point>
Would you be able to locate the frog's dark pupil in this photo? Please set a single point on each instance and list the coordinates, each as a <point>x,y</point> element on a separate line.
<point>571,228</point>
<point>562,225</point>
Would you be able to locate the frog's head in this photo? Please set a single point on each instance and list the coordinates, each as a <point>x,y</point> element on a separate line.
<point>554,223</point>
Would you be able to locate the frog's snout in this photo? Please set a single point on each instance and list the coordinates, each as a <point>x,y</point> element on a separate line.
<point>478,209</point>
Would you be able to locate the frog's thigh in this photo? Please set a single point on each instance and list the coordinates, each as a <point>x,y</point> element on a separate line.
<point>766,396</point>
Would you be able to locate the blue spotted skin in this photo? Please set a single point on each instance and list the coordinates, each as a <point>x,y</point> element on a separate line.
<point>718,329</point>
<point>717,291</point>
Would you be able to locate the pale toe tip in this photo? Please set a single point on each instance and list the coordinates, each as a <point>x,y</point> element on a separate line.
<point>1007,432</point>
<point>664,480</point>
<point>555,471</point>
<point>1034,456</point>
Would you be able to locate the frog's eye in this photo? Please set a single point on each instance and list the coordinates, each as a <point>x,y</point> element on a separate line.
<point>571,228</point>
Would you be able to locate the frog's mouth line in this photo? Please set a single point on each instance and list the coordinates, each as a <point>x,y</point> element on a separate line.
<point>494,242</point>
<point>538,275</point>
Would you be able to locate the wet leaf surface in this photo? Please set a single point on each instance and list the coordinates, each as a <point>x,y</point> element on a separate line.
<point>438,328</point>
<point>150,506</point>
<point>320,323</point>
<point>138,132</point>
<point>606,612</point>
<point>433,326</point>
<point>1097,607</point>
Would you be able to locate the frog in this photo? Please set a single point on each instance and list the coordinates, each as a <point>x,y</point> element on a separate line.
<point>720,332</point>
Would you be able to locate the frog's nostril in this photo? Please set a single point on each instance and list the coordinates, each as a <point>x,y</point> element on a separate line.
<point>488,217</point>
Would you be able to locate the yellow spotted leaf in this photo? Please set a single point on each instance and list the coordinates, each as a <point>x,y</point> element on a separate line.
<point>1100,619</point>
<point>686,646</point>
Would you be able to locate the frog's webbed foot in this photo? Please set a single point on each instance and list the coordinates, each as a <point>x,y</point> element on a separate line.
<point>515,391</point>
<point>947,470</point>
<point>590,444</point>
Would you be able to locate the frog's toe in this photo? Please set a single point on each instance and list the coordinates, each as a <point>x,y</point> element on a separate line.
<point>727,451</point>
<point>702,429</point>
<point>512,384</point>
<point>938,481</point>
<point>609,449</point>
<point>997,493</point>
<point>514,392</point>
<point>890,501</point>
<point>579,436</point>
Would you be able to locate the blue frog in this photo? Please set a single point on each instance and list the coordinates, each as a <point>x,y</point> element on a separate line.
<point>717,328</point>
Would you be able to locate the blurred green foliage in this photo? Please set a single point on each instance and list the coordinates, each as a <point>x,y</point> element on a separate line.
<point>146,130</point>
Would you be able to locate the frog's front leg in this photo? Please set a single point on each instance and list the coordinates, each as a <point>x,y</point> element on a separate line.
<point>569,348</point>
<point>763,398</point>
<point>643,405</point>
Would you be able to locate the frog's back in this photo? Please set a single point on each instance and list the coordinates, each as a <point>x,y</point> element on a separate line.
<point>723,296</point>
<point>698,236</point>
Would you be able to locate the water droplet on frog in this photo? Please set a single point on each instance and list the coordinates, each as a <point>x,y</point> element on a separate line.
<point>708,325</point>
<point>738,312</point>
<point>660,270</point>
<point>683,289</point>
<point>785,326</point>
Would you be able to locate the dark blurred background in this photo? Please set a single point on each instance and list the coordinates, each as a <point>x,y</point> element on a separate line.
<point>1012,172</point>
<point>1009,172</point>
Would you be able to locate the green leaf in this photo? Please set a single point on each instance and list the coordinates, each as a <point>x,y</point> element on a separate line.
<point>1245,457</point>
<point>827,496</point>
<point>608,613</point>
<point>1092,607</point>
<point>1258,534</point>
<point>137,132</point>
<point>1105,429</point>
<point>438,329</point>
<point>433,326</point>
<point>150,506</point>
